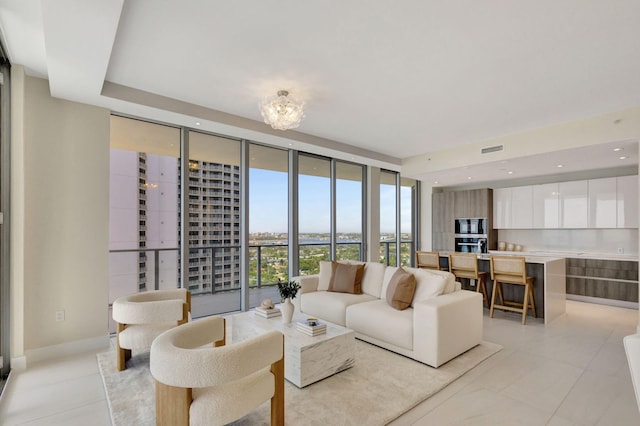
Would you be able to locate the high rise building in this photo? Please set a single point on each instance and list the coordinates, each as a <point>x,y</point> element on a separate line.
<point>145,224</point>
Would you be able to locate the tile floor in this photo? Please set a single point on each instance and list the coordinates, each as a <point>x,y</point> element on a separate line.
<point>573,372</point>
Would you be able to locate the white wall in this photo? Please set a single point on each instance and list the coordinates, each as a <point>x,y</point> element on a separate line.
<point>60,185</point>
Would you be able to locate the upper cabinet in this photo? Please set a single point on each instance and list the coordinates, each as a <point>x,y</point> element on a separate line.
<point>602,203</point>
<point>522,207</point>
<point>546,206</point>
<point>502,208</point>
<point>574,204</point>
<point>596,203</point>
<point>627,201</point>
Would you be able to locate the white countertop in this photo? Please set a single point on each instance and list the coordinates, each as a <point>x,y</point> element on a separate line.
<point>569,254</point>
<point>544,256</point>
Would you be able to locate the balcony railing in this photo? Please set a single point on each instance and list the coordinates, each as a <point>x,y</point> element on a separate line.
<point>267,263</point>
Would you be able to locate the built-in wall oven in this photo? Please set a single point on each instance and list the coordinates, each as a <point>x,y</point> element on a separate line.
<point>471,235</point>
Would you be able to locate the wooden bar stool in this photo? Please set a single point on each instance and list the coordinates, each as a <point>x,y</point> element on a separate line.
<point>428,260</point>
<point>465,265</point>
<point>511,270</point>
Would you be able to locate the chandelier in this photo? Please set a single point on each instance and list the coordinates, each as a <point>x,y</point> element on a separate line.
<point>282,112</point>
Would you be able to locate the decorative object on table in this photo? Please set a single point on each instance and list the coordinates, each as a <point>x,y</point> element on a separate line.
<point>267,309</point>
<point>288,291</point>
<point>312,327</point>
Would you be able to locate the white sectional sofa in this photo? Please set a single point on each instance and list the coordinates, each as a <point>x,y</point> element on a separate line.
<point>442,322</point>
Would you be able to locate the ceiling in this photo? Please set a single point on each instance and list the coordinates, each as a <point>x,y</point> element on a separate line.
<point>382,81</point>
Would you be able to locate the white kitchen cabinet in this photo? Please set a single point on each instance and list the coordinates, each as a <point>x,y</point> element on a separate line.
<point>546,206</point>
<point>502,208</point>
<point>602,203</point>
<point>627,202</point>
<point>574,201</point>
<point>522,207</point>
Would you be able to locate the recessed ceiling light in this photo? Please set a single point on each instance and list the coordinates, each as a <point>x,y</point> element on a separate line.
<point>617,149</point>
<point>469,177</point>
<point>560,165</point>
<point>436,182</point>
<point>197,123</point>
<point>290,144</point>
<point>623,157</point>
<point>510,172</point>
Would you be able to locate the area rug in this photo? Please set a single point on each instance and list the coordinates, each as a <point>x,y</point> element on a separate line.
<point>380,387</point>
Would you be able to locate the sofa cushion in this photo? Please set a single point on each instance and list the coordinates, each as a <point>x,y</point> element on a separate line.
<point>330,306</point>
<point>450,285</point>
<point>401,289</point>
<point>326,270</point>
<point>346,278</point>
<point>372,278</point>
<point>427,285</point>
<point>379,320</point>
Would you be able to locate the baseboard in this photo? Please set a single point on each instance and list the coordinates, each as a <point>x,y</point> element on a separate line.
<point>603,301</point>
<point>19,363</point>
<point>66,349</point>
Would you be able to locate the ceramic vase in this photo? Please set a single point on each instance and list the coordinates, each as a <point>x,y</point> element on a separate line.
<point>287,309</point>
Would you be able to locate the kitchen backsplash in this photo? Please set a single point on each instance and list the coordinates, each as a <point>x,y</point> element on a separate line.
<point>574,240</point>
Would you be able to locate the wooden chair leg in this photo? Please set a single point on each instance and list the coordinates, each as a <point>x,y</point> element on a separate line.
<point>493,298</point>
<point>533,301</point>
<point>525,304</point>
<point>172,405</point>
<point>277,401</point>
<point>482,286</point>
<point>499,284</point>
<point>122,355</point>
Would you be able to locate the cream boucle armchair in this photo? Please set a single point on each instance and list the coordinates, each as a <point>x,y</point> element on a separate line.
<point>142,317</point>
<point>200,381</point>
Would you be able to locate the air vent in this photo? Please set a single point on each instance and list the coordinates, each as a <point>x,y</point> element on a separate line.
<point>492,149</point>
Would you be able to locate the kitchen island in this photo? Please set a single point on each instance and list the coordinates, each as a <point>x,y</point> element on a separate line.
<point>550,288</point>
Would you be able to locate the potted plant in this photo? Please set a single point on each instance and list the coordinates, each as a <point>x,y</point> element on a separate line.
<point>288,291</point>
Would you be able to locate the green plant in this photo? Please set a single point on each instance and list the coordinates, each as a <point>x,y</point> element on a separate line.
<point>288,290</point>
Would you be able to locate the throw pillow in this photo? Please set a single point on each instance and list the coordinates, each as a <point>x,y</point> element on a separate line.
<point>400,290</point>
<point>326,271</point>
<point>344,278</point>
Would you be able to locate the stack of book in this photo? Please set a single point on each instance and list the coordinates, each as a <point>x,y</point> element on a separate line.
<point>267,313</point>
<point>311,330</point>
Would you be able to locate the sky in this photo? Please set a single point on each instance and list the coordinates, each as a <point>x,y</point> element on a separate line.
<point>268,204</point>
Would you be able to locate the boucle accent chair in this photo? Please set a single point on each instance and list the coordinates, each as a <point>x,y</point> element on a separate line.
<point>142,317</point>
<point>202,381</point>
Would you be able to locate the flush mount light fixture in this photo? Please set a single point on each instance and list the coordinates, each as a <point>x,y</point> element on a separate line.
<point>282,112</point>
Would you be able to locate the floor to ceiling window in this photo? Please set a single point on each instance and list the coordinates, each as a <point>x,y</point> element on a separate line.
<point>314,212</point>
<point>408,220</point>
<point>349,219</point>
<point>154,205</point>
<point>144,200</point>
<point>214,224</point>
<point>388,218</point>
<point>268,218</point>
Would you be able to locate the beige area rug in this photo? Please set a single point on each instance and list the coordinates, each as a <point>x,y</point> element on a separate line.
<point>380,387</point>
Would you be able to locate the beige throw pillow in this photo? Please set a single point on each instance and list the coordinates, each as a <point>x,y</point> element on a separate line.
<point>346,278</point>
<point>401,289</point>
<point>326,271</point>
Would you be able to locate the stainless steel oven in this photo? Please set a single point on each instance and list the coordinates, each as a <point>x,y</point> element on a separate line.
<point>471,235</point>
<point>471,244</point>
<point>474,225</point>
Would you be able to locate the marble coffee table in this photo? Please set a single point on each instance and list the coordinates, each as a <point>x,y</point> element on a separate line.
<point>307,359</point>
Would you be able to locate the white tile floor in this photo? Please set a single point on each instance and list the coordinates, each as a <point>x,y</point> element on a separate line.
<point>573,372</point>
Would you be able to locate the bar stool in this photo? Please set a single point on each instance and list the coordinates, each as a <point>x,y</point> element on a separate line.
<point>511,270</point>
<point>428,260</point>
<point>465,265</point>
